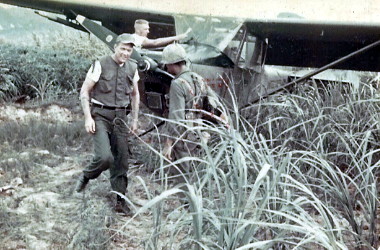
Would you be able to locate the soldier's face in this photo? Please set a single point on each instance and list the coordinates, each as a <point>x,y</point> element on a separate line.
<point>143,30</point>
<point>172,68</point>
<point>123,52</point>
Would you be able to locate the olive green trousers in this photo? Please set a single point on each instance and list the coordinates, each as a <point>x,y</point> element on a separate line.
<point>111,150</point>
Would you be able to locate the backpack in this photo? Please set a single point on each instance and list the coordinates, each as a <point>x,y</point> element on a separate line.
<point>205,100</point>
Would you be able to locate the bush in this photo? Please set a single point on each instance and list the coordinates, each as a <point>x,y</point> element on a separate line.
<point>51,70</point>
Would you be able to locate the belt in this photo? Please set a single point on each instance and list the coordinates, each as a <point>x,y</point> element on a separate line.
<point>108,107</point>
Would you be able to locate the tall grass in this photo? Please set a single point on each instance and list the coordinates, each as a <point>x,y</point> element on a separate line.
<point>299,174</point>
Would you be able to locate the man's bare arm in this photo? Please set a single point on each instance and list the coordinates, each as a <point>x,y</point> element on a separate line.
<point>87,86</point>
<point>160,42</point>
<point>135,103</point>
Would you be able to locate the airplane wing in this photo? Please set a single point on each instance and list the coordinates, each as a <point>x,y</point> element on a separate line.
<point>305,43</point>
<point>292,42</point>
<point>115,17</point>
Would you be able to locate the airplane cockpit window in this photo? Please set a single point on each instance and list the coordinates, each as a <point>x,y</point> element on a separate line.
<point>228,35</point>
<point>217,32</point>
<point>246,51</point>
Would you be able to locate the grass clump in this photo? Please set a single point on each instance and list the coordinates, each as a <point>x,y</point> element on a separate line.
<point>10,224</point>
<point>91,232</point>
<point>54,137</point>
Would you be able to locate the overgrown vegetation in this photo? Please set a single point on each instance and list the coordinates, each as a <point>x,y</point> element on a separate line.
<point>50,70</point>
<point>301,172</point>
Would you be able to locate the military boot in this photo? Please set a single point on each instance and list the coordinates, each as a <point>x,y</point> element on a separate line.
<point>122,207</point>
<point>82,183</point>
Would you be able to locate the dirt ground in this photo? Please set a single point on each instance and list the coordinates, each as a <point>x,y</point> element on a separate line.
<point>44,212</point>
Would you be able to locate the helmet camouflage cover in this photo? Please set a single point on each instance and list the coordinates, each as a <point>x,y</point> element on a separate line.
<point>173,53</point>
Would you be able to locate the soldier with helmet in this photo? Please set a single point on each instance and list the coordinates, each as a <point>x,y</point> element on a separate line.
<point>185,88</point>
<point>108,94</point>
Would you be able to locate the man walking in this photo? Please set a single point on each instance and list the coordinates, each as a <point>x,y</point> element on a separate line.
<point>142,40</point>
<point>185,91</point>
<point>108,94</point>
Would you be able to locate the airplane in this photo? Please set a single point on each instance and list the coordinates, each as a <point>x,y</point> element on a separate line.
<point>232,54</point>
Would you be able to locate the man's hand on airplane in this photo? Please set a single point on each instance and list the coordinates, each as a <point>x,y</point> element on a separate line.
<point>184,35</point>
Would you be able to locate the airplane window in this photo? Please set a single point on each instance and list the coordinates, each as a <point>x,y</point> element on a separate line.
<point>227,35</point>
<point>246,50</point>
<point>237,48</point>
<point>217,32</point>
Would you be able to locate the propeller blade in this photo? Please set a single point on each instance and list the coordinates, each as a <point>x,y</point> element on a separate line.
<point>105,35</point>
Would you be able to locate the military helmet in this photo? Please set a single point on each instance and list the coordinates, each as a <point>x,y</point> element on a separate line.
<point>173,53</point>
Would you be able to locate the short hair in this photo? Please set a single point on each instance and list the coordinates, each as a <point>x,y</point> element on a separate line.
<point>140,21</point>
